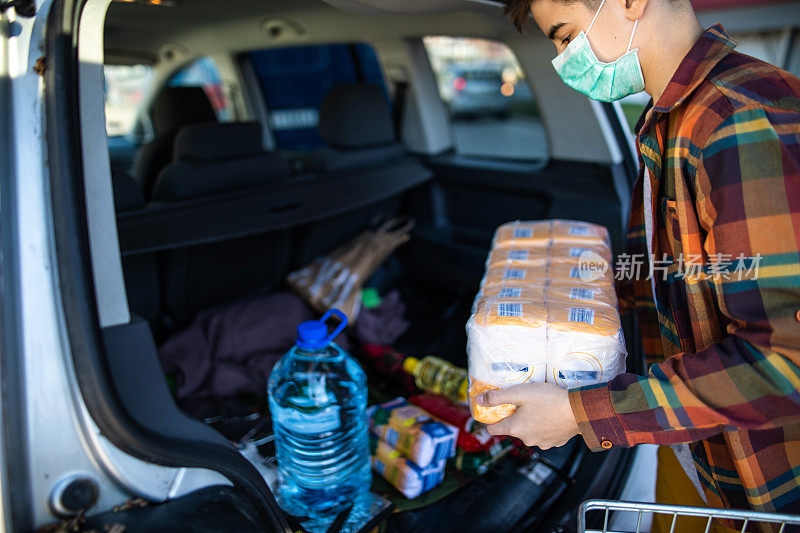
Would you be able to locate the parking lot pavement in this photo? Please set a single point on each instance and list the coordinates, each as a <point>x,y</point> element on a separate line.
<point>518,138</point>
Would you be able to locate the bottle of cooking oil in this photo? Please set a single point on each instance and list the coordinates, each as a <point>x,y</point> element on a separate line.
<point>436,375</point>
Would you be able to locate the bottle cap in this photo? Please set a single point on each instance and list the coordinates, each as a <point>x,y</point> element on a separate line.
<point>313,334</point>
<point>410,364</point>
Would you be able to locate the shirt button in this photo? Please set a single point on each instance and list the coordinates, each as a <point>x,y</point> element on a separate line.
<point>606,444</point>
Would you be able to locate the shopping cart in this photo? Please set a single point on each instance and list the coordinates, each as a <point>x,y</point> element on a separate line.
<point>747,518</point>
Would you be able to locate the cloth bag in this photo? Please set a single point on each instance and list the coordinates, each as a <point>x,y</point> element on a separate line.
<point>336,279</point>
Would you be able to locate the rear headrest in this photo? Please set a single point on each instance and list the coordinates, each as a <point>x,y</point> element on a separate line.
<point>176,107</point>
<point>355,115</point>
<point>209,142</point>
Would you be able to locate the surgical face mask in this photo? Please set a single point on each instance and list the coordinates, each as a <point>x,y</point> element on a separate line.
<point>579,67</point>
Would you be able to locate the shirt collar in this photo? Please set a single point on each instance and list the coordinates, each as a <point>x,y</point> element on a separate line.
<point>709,50</point>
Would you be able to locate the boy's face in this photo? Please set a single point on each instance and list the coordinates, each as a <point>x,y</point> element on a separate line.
<point>561,22</point>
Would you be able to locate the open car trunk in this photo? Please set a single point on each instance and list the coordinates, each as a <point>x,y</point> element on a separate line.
<point>437,274</point>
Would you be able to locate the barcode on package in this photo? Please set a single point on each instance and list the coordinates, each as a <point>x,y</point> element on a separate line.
<point>508,365</point>
<point>510,292</point>
<point>575,272</point>
<point>513,309</point>
<point>576,252</point>
<point>391,436</point>
<point>579,230</point>
<point>582,294</point>
<point>514,273</point>
<point>578,375</point>
<point>518,255</point>
<point>523,233</point>
<point>581,314</point>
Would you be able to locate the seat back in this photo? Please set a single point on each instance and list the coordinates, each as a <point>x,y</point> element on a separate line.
<point>213,158</point>
<point>355,121</point>
<point>173,108</point>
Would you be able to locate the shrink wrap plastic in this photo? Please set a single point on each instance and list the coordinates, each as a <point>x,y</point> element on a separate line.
<point>547,315</point>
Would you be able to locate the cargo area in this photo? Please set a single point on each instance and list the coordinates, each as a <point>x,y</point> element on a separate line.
<point>437,273</point>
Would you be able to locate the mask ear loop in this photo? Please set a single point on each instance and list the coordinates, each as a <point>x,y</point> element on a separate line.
<point>630,42</point>
<point>595,16</point>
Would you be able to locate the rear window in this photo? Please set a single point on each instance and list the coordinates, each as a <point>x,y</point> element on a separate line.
<point>294,81</point>
<point>125,87</point>
<point>493,111</point>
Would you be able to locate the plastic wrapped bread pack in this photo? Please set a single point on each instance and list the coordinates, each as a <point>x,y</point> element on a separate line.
<point>538,317</point>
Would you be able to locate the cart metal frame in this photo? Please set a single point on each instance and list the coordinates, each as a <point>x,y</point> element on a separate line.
<point>609,506</point>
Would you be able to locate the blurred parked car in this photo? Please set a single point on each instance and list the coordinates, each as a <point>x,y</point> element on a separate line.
<point>479,91</point>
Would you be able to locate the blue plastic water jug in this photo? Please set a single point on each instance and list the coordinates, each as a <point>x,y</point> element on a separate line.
<point>318,398</point>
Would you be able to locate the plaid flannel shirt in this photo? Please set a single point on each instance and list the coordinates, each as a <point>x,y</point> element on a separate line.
<point>722,153</point>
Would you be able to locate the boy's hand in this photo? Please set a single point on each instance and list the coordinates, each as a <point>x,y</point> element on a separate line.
<point>543,417</point>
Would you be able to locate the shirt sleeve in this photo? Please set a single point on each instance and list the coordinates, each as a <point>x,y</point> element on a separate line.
<point>747,186</point>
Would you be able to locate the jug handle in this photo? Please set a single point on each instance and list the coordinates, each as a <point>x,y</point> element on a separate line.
<point>341,316</point>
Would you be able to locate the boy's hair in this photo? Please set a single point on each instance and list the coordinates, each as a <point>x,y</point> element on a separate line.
<point>518,10</point>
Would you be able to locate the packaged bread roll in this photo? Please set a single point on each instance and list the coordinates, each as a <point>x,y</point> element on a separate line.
<point>567,291</point>
<point>518,256</point>
<point>580,272</point>
<point>574,231</point>
<point>536,233</point>
<point>507,292</point>
<point>521,255</point>
<point>564,250</point>
<point>542,232</point>
<point>503,291</point>
<point>572,293</point>
<point>535,276</point>
<point>507,342</point>
<point>585,344</point>
<point>513,275</point>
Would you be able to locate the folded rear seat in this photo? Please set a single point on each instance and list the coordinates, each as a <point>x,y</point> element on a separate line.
<point>214,158</point>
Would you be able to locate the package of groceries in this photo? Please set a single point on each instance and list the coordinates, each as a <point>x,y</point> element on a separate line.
<point>413,432</point>
<point>546,311</point>
<point>403,474</point>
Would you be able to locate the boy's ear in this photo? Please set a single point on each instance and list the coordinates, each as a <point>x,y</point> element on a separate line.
<point>634,9</point>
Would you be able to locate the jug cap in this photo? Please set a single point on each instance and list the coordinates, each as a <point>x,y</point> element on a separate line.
<point>313,334</point>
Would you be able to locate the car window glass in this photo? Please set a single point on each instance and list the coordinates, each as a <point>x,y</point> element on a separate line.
<point>493,111</point>
<point>125,87</point>
<point>294,80</point>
